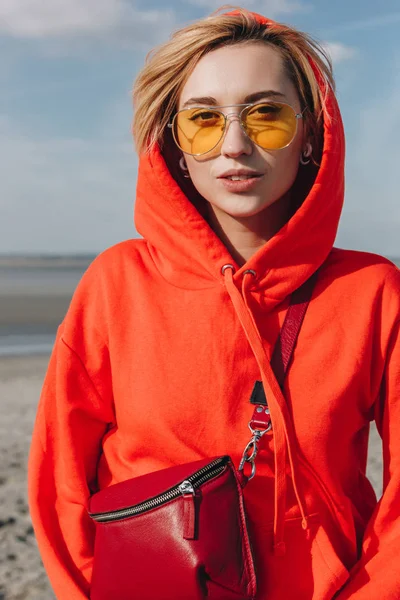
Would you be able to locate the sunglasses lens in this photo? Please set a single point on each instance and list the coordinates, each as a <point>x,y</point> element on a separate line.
<point>198,130</point>
<point>270,125</point>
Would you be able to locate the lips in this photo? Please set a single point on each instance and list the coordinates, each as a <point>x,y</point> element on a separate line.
<point>240,180</point>
<point>239,175</point>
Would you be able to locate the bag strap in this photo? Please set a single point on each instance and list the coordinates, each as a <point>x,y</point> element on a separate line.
<point>283,350</point>
<point>287,338</point>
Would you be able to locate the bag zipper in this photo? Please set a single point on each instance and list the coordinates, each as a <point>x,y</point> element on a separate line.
<point>213,469</point>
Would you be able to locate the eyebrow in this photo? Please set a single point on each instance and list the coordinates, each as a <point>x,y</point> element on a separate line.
<point>210,101</point>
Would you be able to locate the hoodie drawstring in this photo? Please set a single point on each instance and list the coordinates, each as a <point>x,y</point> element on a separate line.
<point>284,436</point>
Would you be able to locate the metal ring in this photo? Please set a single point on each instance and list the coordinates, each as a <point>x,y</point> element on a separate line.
<point>251,271</point>
<point>227,267</point>
<point>253,468</point>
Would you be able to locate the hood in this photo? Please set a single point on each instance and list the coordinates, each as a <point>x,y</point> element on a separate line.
<point>190,255</point>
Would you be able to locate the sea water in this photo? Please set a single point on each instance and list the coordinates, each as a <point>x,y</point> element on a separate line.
<point>19,286</point>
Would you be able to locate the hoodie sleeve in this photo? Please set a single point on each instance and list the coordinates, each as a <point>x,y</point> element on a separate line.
<point>377,573</point>
<point>75,411</point>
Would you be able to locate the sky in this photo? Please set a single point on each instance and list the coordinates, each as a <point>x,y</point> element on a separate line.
<point>67,161</point>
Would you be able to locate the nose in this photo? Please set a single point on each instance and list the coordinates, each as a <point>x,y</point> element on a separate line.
<point>235,141</point>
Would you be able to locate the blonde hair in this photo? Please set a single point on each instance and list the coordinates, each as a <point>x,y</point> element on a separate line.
<point>158,86</point>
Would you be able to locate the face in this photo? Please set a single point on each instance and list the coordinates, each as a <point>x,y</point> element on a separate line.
<point>227,76</point>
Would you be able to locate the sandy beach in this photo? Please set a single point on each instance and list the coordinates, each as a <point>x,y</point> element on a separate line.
<point>21,574</point>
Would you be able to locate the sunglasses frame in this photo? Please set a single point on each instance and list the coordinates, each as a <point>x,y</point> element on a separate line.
<point>239,115</point>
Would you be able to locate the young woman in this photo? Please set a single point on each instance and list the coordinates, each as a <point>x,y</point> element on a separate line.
<point>167,339</point>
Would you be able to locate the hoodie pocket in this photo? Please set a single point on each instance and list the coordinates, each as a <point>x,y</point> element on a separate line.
<point>310,568</point>
<point>330,574</point>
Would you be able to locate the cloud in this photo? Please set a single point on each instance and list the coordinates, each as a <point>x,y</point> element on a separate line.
<point>54,19</point>
<point>371,218</point>
<point>369,23</point>
<point>339,52</point>
<point>64,194</point>
<point>270,8</point>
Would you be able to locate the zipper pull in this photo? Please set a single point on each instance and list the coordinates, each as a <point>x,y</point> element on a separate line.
<point>189,509</point>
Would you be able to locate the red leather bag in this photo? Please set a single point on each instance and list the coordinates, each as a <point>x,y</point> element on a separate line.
<point>180,533</point>
<point>184,538</point>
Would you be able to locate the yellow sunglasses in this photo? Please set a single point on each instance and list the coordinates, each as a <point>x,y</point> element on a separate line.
<point>270,125</point>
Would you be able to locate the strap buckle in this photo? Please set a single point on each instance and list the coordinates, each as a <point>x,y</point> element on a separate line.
<point>251,450</point>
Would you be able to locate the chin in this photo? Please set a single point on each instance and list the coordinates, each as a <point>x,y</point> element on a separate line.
<point>242,205</point>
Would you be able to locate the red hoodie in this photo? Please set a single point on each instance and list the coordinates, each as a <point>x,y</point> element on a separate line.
<point>152,367</point>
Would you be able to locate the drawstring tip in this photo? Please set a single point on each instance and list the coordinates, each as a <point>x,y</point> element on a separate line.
<point>304,523</point>
<point>280,549</point>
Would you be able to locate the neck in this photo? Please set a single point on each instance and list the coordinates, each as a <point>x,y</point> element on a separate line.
<point>243,236</point>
